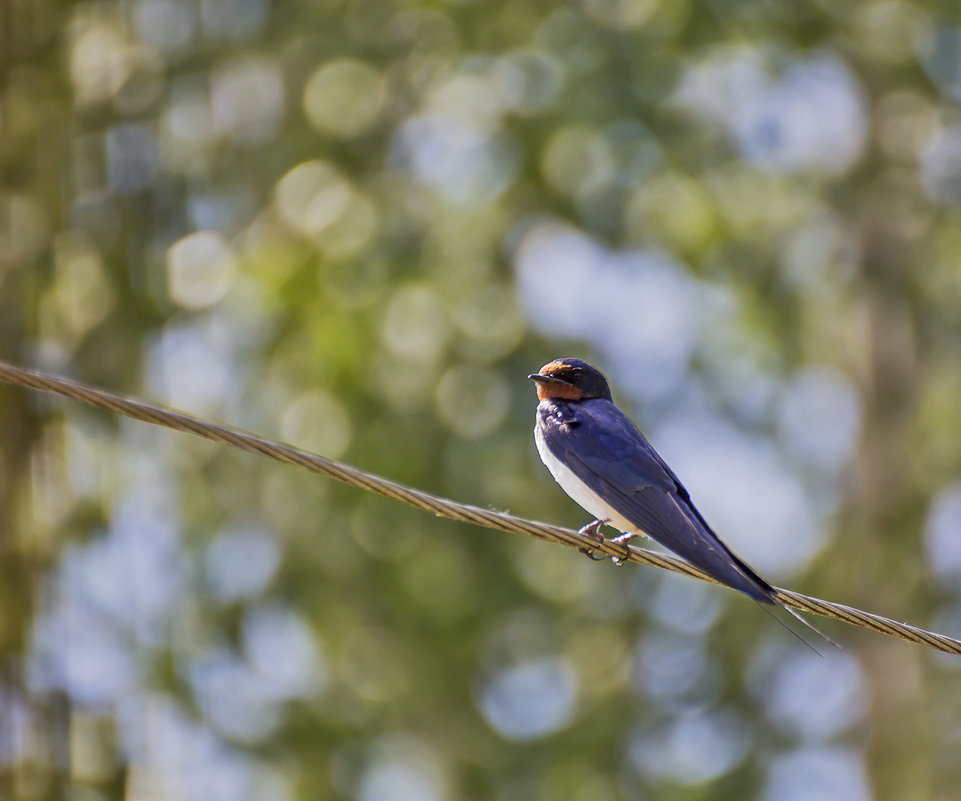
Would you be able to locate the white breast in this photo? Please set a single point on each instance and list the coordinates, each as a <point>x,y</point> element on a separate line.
<point>583,495</point>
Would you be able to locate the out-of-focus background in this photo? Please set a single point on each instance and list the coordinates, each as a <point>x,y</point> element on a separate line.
<point>357,227</point>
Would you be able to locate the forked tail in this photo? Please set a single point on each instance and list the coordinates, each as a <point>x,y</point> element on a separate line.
<point>797,616</point>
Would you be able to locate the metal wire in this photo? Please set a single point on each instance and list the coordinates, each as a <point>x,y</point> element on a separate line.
<point>442,507</point>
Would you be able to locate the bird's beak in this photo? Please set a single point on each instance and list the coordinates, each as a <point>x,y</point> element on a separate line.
<point>545,379</point>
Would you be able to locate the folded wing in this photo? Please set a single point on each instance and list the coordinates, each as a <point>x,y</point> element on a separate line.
<point>606,451</point>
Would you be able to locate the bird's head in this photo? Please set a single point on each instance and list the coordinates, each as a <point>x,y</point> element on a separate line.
<point>570,379</point>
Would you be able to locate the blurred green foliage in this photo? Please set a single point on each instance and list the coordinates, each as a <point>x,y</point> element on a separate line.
<point>358,226</point>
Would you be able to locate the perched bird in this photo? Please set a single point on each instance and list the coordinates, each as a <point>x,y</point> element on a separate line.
<point>604,463</point>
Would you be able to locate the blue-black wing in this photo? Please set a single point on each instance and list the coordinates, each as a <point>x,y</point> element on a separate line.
<point>609,454</point>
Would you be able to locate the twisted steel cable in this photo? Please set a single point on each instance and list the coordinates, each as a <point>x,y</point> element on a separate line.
<point>442,507</point>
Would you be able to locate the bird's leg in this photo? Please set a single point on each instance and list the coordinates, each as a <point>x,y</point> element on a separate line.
<point>592,530</point>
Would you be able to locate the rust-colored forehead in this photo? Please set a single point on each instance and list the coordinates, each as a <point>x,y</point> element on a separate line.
<point>554,367</point>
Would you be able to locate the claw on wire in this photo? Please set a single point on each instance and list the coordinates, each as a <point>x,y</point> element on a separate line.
<point>592,530</point>
<point>622,539</point>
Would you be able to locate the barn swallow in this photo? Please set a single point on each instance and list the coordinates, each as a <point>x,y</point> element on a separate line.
<point>605,464</point>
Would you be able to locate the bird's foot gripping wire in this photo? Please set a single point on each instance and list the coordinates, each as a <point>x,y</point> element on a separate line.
<point>622,539</point>
<point>592,530</point>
